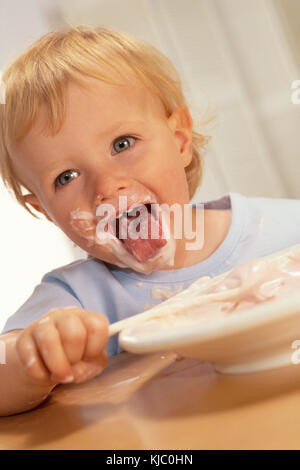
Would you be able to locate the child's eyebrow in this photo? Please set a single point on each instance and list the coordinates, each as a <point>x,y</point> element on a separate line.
<point>119,124</point>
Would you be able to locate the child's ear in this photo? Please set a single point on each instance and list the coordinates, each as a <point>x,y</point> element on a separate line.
<point>181,124</point>
<point>32,200</point>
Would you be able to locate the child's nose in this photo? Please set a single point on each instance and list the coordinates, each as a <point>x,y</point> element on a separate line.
<point>109,187</point>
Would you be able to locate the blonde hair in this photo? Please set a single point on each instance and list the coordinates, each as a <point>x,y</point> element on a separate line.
<point>41,74</point>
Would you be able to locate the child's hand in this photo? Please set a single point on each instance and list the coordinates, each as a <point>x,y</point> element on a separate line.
<point>65,345</point>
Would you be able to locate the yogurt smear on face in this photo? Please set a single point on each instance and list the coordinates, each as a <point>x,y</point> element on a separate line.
<point>143,254</point>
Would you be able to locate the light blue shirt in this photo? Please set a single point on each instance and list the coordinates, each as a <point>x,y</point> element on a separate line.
<point>259,226</point>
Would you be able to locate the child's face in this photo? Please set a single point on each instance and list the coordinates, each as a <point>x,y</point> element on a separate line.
<point>88,163</point>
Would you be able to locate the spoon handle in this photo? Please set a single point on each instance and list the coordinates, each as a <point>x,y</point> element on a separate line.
<point>166,307</point>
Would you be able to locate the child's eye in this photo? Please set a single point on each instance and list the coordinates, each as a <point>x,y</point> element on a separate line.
<point>64,178</point>
<point>122,143</point>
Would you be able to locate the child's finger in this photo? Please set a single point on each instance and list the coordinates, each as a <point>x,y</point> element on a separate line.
<point>86,370</point>
<point>30,358</point>
<point>48,342</point>
<point>73,336</point>
<point>97,334</point>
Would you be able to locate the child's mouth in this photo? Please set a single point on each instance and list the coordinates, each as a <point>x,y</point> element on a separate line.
<point>140,232</point>
<point>134,227</point>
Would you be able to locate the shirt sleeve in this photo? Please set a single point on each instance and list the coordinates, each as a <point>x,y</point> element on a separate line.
<point>51,293</point>
<point>46,296</point>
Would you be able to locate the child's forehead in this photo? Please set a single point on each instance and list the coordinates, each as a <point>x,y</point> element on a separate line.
<point>127,97</point>
<point>93,107</point>
<point>95,101</point>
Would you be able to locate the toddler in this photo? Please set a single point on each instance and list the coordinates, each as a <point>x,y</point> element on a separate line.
<point>96,129</point>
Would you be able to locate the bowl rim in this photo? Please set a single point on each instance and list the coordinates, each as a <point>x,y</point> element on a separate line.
<point>268,312</point>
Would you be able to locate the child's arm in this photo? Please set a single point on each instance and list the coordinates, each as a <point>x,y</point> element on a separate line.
<point>67,342</point>
<point>17,390</point>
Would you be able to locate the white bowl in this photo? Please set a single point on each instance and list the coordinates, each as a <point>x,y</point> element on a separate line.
<point>261,338</point>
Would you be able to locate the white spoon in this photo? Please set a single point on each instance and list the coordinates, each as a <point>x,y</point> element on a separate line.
<point>174,305</point>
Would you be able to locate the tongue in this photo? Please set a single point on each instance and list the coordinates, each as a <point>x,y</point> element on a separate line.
<point>143,248</point>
